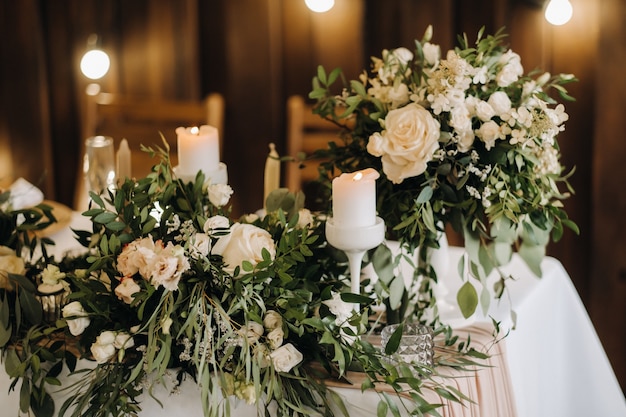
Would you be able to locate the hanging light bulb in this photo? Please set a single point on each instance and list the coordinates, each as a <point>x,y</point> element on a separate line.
<point>559,12</point>
<point>320,6</point>
<point>95,63</point>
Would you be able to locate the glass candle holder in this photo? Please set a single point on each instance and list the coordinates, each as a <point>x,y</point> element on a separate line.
<point>416,344</point>
<point>52,303</point>
<point>99,163</point>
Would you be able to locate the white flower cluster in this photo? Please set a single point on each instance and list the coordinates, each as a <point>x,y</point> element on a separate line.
<point>461,97</point>
<point>266,341</point>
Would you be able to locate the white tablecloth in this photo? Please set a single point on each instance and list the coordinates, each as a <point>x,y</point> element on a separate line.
<point>557,365</point>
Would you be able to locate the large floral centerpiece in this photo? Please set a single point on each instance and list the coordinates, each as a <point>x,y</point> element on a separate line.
<point>464,139</point>
<point>172,289</point>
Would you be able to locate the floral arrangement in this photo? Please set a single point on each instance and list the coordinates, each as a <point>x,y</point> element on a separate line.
<point>463,139</point>
<point>254,309</point>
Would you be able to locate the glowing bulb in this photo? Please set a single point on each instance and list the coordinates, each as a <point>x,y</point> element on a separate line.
<point>559,12</point>
<point>320,6</point>
<point>95,64</point>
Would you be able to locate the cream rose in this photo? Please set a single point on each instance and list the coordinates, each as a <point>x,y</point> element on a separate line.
<point>272,320</point>
<point>215,222</point>
<point>252,332</point>
<point>305,218</point>
<point>408,142</point>
<point>126,289</point>
<point>103,349</point>
<point>275,338</point>
<point>245,242</point>
<point>511,70</point>
<point>10,263</point>
<point>500,102</point>
<point>219,194</point>
<point>123,341</point>
<point>489,132</point>
<point>398,95</point>
<point>285,357</point>
<point>484,111</point>
<point>76,317</point>
<point>200,245</point>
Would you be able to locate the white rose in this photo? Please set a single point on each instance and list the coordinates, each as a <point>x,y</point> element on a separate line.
<point>136,256</point>
<point>168,266</point>
<point>126,289</point>
<point>432,53</point>
<point>215,222</point>
<point>10,263</point>
<point>489,132</point>
<point>272,320</point>
<point>252,332</point>
<point>123,341</point>
<point>484,111</point>
<point>375,144</point>
<point>408,142</point>
<point>245,242</point>
<point>102,349</point>
<point>461,121</point>
<point>500,103</point>
<point>305,218</point>
<point>398,95</point>
<point>512,69</point>
<point>403,55</point>
<point>275,338</point>
<point>219,194</point>
<point>285,357</point>
<point>200,245</point>
<point>76,317</point>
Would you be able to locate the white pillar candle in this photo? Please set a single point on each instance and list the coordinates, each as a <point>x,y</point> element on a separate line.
<point>354,199</point>
<point>123,161</point>
<point>198,149</point>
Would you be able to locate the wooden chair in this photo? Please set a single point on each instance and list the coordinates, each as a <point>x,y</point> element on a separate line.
<point>139,121</point>
<point>306,132</point>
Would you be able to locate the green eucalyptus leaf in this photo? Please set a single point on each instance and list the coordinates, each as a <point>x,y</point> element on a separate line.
<point>12,363</point>
<point>425,195</point>
<point>5,335</point>
<point>382,261</point>
<point>394,340</point>
<point>485,300</point>
<point>105,217</point>
<point>532,255</point>
<point>397,290</point>
<point>25,395</point>
<point>467,299</point>
<point>31,307</point>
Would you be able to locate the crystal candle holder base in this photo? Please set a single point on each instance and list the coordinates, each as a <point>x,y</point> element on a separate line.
<point>416,345</point>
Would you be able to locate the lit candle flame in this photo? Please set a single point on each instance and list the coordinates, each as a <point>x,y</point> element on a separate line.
<point>194,130</point>
<point>357,176</point>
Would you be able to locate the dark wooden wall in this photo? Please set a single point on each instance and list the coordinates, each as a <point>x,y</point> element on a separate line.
<point>258,52</point>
